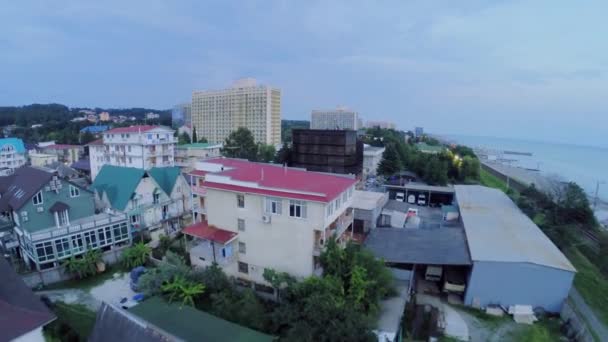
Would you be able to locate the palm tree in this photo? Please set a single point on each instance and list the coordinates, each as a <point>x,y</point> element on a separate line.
<point>136,255</point>
<point>187,291</point>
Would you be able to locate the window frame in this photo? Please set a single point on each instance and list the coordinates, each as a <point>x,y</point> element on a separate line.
<point>240,201</point>
<point>240,223</point>
<point>243,267</point>
<point>74,191</point>
<point>273,205</point>
<point>242,248</point>
<point>295,206</point>
<point>41,201</point>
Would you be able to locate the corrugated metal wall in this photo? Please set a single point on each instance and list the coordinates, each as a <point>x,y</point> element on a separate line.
<point>518,283</point>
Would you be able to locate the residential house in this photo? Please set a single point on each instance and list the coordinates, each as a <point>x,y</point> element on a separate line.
<point>253,216</point>
<point>155,201</point>
<point>372,156</point>
<point>55,219</point>
<point>96,130</point>
<point>141,147</point>
<point>187,155</point>
<point>65,153</point>
<point>12,154</point>
<point>42,159</point>
<point>22,314</point>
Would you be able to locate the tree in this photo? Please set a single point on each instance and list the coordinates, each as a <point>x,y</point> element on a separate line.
<point>278,280</point>
<point>240,144</point>
<point>283,156</point>
<point>184,138</point>
<point>194,137</point>
<point>185,290</point>
<point>86,138</point>
<point>390,163</point>
<point>203,140</point>
<point>136,255</point>
<point>85,266</point>
<point>266,153</point>
<point>172,267</point>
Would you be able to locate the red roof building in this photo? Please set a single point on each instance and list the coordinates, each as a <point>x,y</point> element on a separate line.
<point>133,129</point>
<point>204,231</point>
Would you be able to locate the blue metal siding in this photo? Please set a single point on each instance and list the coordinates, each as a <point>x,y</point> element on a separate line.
<point>508,284</point>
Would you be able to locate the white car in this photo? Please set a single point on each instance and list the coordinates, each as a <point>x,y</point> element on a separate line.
<point>400,197</point>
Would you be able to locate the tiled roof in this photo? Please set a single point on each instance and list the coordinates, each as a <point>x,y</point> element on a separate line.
<point>203,230</point>
<point>21,311</point>
<point>281,181</point>
<point>119,184</point>
<point>134,129</point>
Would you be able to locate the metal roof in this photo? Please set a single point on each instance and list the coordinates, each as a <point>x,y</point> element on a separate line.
<point>446,246</point>
<point>498,231</point>
<point>368,200</point>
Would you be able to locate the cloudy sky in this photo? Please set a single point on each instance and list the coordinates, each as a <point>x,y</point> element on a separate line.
<point>523,69</point>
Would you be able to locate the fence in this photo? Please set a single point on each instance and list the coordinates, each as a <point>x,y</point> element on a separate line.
<point>58,274</point>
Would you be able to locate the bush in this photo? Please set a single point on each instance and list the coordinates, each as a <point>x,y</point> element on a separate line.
<point>136,255</point>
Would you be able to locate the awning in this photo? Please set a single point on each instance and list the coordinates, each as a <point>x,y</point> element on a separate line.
<point>203,230</point>
<point>59,206</point>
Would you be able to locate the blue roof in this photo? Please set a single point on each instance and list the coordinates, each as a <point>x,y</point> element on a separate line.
<point>95,129</point>
<point>15,142</point>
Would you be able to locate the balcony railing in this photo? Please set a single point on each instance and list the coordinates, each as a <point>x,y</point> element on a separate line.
<point>77,226</point>
<point>199,190</point>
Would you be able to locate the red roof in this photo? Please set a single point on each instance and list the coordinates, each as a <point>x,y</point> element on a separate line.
<point>96,142</point>
<point>133,129</point>
<point>61,146</point>
<point>276,180</point>
<point>198,173</point>
<point>204,231</point>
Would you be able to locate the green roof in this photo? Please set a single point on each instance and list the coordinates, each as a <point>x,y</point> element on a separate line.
<point>119,184</point>
<point>426,148</point>
<point>191,324</point>
<point>197,145</point>
<point>165,177</point>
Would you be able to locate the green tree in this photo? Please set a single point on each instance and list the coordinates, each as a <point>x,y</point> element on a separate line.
<point>240,144</point>
<point>283,156</point>
<point>86,138</point>
<point>184,138</point>
<point>136,255</point>
<point>203,140</point>
<point>194,136</point>
<point>171,267</point>
<point>182,289</point>
<point>390,163</point>
<point>84,266</point>
<point>266,153</point>
<point>278,280</point>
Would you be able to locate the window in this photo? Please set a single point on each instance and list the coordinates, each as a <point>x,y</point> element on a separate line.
<point>62,218</point>
<point>329,209</point>
<point>24,216</point>
<point>102,237</point>
<point>156,197</point>
<point>91,239</point>
<point>108,232</point>
<point>273,205</point>
<point>135,219</point>
<point>240,201</point>
<point>63,247</point>
<point>129,148</point>
<point>74,191</point>
<point>77,243</point>
<point>45,251</point>
<point>241,224</point>
<point>130,160</point>
<point>344,196</point>
<point>165,211</point>
<point>242,248</point>
<point>243,267</point>
<point>337,203</point>
<point>37,198</point>
<point>297,209</point>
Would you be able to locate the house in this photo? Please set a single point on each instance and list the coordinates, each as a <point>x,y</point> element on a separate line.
<point>141,147</point>
<point>186,128</point>
<point>95,130</point>
<point>104,116</point>
<point>42,159</point>
<point>12,154</point>
<point>156,320</point>
<point>367,207</point>
<point>65,153</point>
<point>372,156</point>
<point>22,314</point>
<point>187,155</point>
<point>254,216</point>
<point>155,201</point>
<point>55,219</point>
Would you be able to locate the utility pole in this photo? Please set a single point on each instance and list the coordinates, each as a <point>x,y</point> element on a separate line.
<point>597,192</point>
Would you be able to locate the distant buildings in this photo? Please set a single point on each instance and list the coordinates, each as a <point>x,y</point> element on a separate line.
<point>65,153</point>
<point>337,119</point>
<point>253,216</point>
<point>181,115</point>
<point>92,117</point>
<point>372,156</point>
<point>217,113</point>
<point>104,116</point>
<point>327,151</point>
<point>152,116</point>
<point>418,132</point>
<point>381,124</point>
<point>42,159</point>
<point>12,154</point>
<point>141,147</point>
<point>187,155</point>
<point>95,130</point>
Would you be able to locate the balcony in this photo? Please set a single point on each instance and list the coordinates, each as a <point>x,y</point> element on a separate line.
<point>199,190</point>
<point>340,225</point>
<point>83,224</point>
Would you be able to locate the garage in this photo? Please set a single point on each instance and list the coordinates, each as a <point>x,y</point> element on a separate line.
<point>421,194</point>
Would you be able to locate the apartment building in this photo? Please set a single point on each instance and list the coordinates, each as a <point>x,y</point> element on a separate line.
<point>65,153</point>
<point>372,156</point>
<point>12,154</point>
<point>142,147</point>
<point>155,201</point>
<point>217,113</point>
<point>253,216</point>
<point>327,151</point>
<point>335,119</point>
<point>54,219</point>
<point>187,155</point>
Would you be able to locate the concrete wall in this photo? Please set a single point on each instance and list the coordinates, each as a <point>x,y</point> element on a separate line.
<point>518,283</point>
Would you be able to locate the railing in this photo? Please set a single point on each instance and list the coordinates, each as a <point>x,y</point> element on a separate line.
<point>52,232</point>
<point>199,190</point>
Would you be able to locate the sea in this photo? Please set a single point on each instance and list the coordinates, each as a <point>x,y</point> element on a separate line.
<point>585,165</point>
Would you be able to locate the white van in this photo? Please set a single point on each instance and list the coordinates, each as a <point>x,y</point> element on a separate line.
<point>400,197</point>
<point>421,199</point>
<point>411,199</point>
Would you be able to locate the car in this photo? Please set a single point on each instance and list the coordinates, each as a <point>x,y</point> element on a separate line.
<point>411,199</point>
<point>400,196</point>
<point>421,199</point>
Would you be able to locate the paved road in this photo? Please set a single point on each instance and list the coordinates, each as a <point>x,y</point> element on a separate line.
<point>590,317</point>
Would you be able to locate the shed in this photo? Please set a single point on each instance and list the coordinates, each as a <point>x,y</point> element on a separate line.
<point>514,262</point>
<point>367,206</point>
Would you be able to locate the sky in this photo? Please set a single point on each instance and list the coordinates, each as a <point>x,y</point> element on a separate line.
<point>533,70</point>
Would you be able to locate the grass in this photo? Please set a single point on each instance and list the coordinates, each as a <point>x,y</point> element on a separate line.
<point>77,316</point>
<point>87,283</point>
<point>489,180</point>
<point>491,322</point>
<point>547,330</point>
<point>591,283</point>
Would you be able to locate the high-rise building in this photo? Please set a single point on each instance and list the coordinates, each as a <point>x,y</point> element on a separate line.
<point>327,151</point>
<point>217,113</point>
<point>181,115</point>
<point>418,131</point>
<point>142,147</point>
<point>337,119</point>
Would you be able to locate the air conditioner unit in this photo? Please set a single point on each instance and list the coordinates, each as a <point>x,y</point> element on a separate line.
<point>266,218</point>
<point>40,209</point>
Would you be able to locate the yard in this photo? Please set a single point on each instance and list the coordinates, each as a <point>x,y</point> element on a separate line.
<point>72,320</point>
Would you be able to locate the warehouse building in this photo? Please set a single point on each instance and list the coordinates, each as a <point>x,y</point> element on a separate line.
<point>514,262</point>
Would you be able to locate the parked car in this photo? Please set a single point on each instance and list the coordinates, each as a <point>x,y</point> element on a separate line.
<point>421,199</point>
<point>400,196</point>
<point>433,273</point>
<point>411,199</point>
